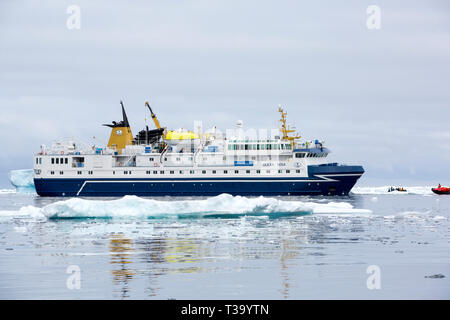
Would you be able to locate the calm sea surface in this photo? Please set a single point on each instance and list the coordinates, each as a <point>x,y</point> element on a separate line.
<point>370,245</point>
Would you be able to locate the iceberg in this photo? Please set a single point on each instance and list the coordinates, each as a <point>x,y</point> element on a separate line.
<point>22,179</point>
<point>222,206</point>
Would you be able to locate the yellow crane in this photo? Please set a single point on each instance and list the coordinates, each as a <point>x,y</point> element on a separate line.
<point>155,120</point>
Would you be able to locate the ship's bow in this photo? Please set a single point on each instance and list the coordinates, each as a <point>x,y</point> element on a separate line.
<point>337,179</point>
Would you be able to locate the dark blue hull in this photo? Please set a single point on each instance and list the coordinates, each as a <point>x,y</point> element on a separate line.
<point>322,180</point>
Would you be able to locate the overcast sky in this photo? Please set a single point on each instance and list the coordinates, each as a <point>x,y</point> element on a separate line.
<point>379,98</point>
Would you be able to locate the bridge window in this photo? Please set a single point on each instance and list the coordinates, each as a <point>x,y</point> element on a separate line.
<point>236,171</point>
<point>214,171</point>
<point>204,171</point>
<point>77,162</point>
<point>79,172</point>
<point>161,172</point>
<point>247,171</point>
<point>191,171</point>
<point>288,171</point>
<point>300,155</point>
<point>155,172</point>
<point>172,172</point>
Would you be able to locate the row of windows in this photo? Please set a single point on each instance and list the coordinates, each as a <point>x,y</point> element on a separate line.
<point>310,155</point>
<point>53,172</point>
<point>259,146</point>
<point>316,155</point>
<point>297,155</point>
<point>78,172</point>
<point>191,172</point>
<point>216,171</point>
<point>60,160</point>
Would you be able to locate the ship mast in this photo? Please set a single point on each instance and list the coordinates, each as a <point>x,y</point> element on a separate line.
<point>285,129</point>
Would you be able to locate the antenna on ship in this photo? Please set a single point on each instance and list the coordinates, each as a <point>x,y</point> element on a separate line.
<point>286,129</point>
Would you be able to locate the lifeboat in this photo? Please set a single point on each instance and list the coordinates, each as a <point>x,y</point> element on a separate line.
<point>401,189</point>
<point>182,137</point>
<point>441,190</point>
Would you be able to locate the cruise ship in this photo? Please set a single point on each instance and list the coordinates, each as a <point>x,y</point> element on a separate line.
<point>162,162</point>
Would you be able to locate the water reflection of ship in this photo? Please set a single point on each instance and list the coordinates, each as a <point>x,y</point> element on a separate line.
<point>152,254</point>
<point>120,251</point>
<point>160,256</point>
<point>163,256</point>
<point>288,252</point>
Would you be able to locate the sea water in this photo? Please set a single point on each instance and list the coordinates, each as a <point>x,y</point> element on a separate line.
<point>369,245</point>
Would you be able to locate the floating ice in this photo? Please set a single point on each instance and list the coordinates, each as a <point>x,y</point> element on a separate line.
<point>222,206</point>
<point>422,190</point>
<point>22,179</point>
<point>4,191</point>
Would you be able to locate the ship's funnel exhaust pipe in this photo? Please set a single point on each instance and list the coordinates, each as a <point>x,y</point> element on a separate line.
<point>121,135</point>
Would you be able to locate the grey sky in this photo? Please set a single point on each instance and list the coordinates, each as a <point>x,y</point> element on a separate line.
<point>377,97</point>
